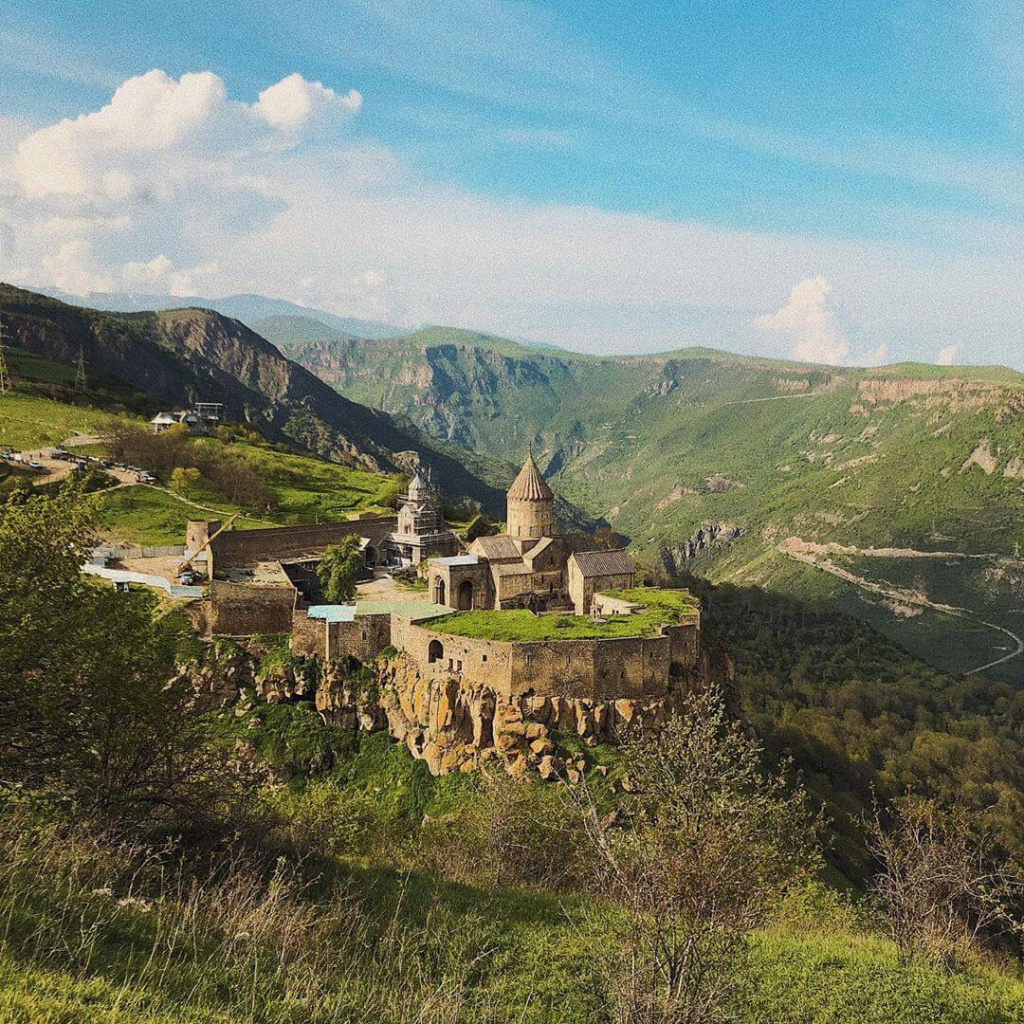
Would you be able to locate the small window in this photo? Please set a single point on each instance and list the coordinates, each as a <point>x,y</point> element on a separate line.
<point>485,657</point>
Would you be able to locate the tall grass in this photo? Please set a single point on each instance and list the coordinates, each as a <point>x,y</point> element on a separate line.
<point>230,935</point>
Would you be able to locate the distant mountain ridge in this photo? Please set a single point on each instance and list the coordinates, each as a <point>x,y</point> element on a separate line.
<point>245,307</point>
<point>186,355</point>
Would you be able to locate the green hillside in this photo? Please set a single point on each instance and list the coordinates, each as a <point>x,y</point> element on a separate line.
<point>681,446</point>
<point>45,409</point>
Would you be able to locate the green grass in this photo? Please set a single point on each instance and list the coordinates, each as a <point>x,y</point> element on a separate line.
<point>525,626</point>
<point>150,516</point>
<point>679,602</point>
<point>28,422</point>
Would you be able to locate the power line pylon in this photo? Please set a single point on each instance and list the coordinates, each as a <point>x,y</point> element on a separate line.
<point>80,381</point>
<point>5,377</point>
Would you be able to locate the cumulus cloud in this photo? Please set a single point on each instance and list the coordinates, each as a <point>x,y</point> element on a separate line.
<point>293,103</point>
<point>159,136</point>
<point>877,357</point>
<point>947,355</point>
<point>810,321</point>
<point>72,268</point>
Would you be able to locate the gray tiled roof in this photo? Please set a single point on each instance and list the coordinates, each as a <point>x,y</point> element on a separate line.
<point>604,563</point>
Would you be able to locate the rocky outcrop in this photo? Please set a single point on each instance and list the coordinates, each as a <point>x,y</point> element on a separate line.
<point>454,727</point>
<point>706,536</point>
<point>443,721</point>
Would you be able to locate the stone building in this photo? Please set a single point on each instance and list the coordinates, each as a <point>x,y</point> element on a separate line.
<point>421,533</point>
<point>530,566</point>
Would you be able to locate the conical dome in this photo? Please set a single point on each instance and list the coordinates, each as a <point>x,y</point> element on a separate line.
<point>530,485</point>
<point>419,489</point>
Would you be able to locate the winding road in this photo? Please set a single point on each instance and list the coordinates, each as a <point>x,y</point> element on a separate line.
<point>808,553</point>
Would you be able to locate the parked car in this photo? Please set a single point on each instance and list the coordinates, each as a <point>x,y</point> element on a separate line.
<point>35,465</point>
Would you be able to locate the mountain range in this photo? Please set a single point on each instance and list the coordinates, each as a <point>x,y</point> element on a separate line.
<point>180,356</point>
<point>896,492</point>
<point>248,308</point>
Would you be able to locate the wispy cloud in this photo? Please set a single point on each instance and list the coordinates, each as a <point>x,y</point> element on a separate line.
<point>57,58</point>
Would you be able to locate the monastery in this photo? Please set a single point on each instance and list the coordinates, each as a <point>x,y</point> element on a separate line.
<point>525,612</point>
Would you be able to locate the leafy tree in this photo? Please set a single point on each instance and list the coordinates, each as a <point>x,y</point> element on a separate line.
<point>938,883</point>
<point>338,569</point>
<point>186,480</point>
<point>90,706</point>
<point>390,491</point>
<point>707,845</point>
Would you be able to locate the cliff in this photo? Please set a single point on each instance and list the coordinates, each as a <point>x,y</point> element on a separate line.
<point>186,355</point>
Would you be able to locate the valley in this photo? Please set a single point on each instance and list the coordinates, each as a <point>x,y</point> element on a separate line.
<point>707,462</point>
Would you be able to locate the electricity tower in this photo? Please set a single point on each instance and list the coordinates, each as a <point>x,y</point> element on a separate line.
<point>5,377</point>
<point>80,373</point>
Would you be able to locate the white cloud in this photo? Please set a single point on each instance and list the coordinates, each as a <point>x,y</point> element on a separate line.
<point>72,269</point>
<point>159,137</point>
<point>174,186</point>
<point>293,103</point>
<point>877,357</point>
<point>810,320</point>
<point>947,355</point>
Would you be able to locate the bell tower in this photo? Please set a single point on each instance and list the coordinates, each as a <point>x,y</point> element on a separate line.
<point>531,504</point>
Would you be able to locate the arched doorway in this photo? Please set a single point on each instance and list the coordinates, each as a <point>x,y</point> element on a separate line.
<point>465,602</point>
<point>370,555</point>
<point>435,652</point>
<point>439,590</point>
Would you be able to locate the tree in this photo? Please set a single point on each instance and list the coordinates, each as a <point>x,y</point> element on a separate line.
<point>338,569</point>
<point>90,704</point>
<point>938,883</point>
<point>186,480</point>
<point>707,844</point>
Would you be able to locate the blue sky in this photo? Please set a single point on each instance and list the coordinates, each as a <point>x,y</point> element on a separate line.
<point>840,180</point>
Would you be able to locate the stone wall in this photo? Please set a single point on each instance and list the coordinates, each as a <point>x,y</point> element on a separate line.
<point>583,588</point>
<point>244,609</point>
<point>247,547</point>
<point>362,639</point>
<point>488,662</point>
<point>601,669</point>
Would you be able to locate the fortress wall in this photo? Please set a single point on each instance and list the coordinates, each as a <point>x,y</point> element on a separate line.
<point>615,668</point>
<point>308,635</point>
<point>243,609</point>
<point>362,639</point>
<point>685,644</point>
<point>488,662</point>
<point>245,547</point>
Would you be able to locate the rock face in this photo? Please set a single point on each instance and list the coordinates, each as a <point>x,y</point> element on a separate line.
<point>445,722</point>
<point>453,726</point>
<point>706,536</point>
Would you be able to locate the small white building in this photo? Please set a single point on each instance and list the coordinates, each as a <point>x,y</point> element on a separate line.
<point>163,421</point>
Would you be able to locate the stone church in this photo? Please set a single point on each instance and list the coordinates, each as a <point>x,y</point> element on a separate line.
<point>529,566</point>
